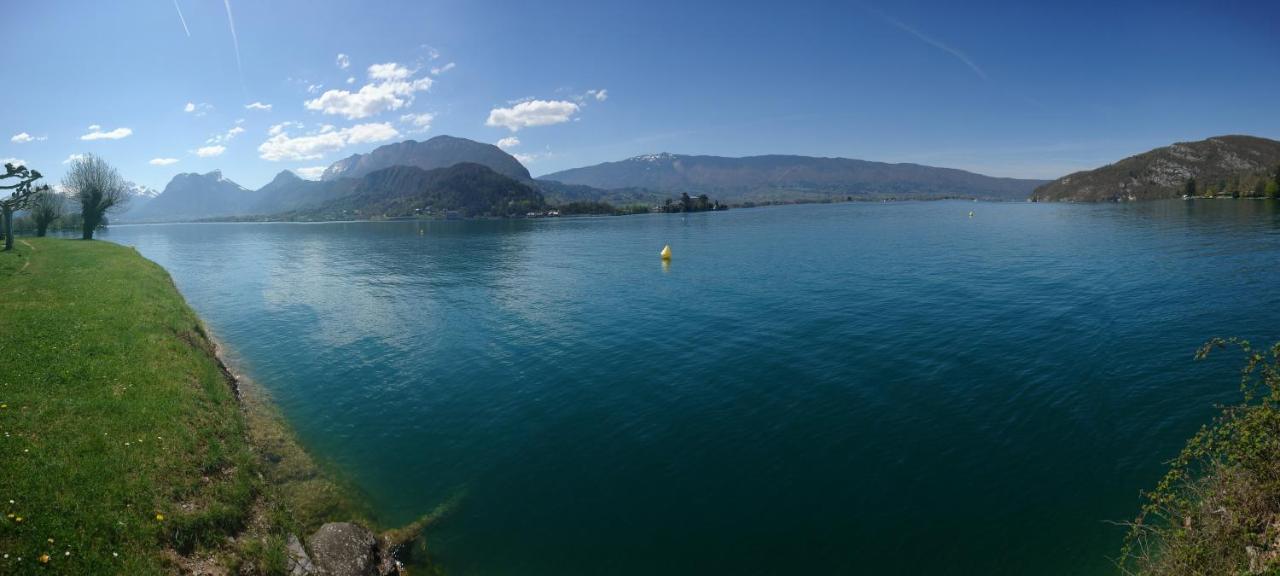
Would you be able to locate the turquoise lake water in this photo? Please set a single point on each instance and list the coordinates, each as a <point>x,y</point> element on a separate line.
<point>841,389</point>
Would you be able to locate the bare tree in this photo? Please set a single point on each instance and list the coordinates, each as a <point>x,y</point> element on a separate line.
<point>17,200</point>
<point>99,188</point>
<point>46,206</point>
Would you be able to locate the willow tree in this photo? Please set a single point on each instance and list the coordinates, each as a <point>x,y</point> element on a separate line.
<point>99,188</point>
<point>46,206</point>
<point>18,199</point>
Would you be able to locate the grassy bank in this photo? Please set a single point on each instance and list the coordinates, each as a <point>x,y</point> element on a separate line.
<point>1217,510</point>
<point>123,446</point>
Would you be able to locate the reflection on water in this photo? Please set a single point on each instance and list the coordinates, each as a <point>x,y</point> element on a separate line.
<point>808,389</point>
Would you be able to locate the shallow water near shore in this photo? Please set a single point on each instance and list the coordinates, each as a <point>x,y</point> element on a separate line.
<point>856,388</point>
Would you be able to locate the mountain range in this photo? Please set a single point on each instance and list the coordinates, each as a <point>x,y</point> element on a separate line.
<point>191,196</point>
<point>449,174</point>
<point>438,152</point>
<point>792,178</point>
<point>1234,165</point>
<point>360,184</point>
<point>466,188</point>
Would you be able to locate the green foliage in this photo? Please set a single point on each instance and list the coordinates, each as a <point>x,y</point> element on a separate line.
<point>600,208</point>
<point>46,207</point>
<point>587,207</point>
<point>21,180</point>
<point>1273,189</point>
<point>100,189</point>
<point>267,557</point>
<point>686,203</point>
<point>1217,509</point>
<point>469,190</point>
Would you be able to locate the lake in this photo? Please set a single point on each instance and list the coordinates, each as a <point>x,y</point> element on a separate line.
<point>828,389</point>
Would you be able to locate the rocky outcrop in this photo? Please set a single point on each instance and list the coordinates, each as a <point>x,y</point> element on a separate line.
<point>299,562</point>
<point>1223,165</point>
<point>345,549</point>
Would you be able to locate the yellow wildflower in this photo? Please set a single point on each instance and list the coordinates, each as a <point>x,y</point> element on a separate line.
<point>159,517</point>
<point>44,558</point>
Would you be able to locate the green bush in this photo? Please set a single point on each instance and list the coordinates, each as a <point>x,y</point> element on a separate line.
<point>1217,509</point>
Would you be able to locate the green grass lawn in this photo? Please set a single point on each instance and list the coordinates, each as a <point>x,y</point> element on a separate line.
<point>121,440</point>
<point>123,446</point>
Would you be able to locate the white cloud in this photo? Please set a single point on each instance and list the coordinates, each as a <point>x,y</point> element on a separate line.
<point>508,142</point>
<point>389,71</point>
<point>526,158</point>
<point>14,161</point>
<point>370,100</point>
<point>314,88</point>
<point>280,146</point>
<point>420,122</point>
<point>343,61</point>
<point>224,138</point>
<point>278,128</point>
<point>199,109</point>
<point>351,79</point>
<point>73,158</point>
<point>239,120</point>
<point>442,69</point>
<point>210,151</point>
<point>532,113</point>
<point>162,161</point>
<point>365,133</point>
<point>599,95</point>
<point>96,133</point>
<point>21,137</point>
<point>257,106</point>
<point>310,172</point>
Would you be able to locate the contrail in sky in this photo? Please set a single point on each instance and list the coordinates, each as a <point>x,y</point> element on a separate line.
<point>184,20</point>
<point>234,39</point>
<point>933,42</point>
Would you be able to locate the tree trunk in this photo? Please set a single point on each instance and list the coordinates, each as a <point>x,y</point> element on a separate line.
<point>41,229</point>
<point>89,224</point>
<point>8,228</point>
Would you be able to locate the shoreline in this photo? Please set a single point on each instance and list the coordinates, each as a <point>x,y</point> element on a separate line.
<point>137,445</point>
<point>317,494</point>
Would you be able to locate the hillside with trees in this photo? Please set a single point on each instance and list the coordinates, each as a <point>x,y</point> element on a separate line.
<point>467,189</point>
<point>1230,166</point>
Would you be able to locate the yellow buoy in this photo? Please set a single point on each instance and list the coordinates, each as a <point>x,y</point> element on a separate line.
<point>666,252</point>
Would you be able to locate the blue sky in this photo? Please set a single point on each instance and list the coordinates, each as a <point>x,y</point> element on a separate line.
<point>1002,88</point>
